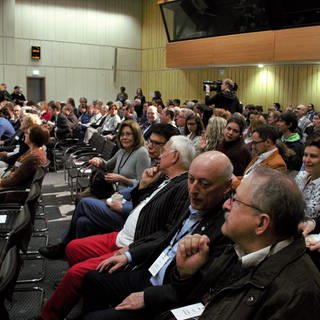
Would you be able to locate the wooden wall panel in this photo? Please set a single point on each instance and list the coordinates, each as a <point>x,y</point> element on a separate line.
<point>298,44</point>
<point>236,49</point>
<point>284,83</point>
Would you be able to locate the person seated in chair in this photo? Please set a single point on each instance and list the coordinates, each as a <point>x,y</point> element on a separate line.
<point>158,203</point>
<point>91,209</point>
<point>266,274</point>
<point>15,147</point>
<point>22,173</point>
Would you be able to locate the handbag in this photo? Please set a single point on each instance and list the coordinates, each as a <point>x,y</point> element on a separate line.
<point>99,187</point>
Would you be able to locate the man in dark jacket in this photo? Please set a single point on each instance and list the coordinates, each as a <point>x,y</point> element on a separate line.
<point>266,274</point>
<point>17,96</point>
<point>225,98</point>
<point>209,179</point>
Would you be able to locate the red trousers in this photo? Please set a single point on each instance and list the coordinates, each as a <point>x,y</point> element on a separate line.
<point>83,255</point>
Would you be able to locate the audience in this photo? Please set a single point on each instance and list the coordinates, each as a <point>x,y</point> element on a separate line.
<point>123,246</point>
<point>266,274</point>
<point>208,182</point>
<point>96,121</point>
<point>158,204</point>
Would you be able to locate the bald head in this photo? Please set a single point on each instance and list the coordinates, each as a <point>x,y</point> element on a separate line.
<point>209,179</point>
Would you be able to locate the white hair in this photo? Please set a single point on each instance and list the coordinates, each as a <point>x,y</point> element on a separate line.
<point>185,148</point>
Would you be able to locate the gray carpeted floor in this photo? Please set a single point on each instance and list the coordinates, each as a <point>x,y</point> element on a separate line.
<point>58,212</point>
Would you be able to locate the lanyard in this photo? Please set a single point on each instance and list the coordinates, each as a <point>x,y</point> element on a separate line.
<point>177,236</point>
<point>121,165</point>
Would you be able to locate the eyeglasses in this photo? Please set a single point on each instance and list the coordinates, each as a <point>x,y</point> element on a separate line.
<point>232,199</point>
<point>155,143</point>
<point>256,142</point>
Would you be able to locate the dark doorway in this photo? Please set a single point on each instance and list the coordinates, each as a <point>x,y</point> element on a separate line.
<point>36,89</point>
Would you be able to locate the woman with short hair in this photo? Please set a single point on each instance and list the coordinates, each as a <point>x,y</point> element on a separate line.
<point>21,175</point>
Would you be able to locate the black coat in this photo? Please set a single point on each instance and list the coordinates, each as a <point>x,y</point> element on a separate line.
<point>164,209</point>
<point>63,126</point>
<point>145,251</point>
<point>285,285</point>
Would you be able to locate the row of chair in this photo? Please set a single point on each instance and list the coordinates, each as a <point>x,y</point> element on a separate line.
<point>77,170</point>
<point>18,212</point>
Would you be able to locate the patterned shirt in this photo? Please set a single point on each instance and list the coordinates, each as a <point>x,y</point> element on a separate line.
<point>311,193</point>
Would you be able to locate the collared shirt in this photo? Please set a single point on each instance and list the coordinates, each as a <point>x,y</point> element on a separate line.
<point>188,226</point>
<point>260,159</point>
<point>254,258</point>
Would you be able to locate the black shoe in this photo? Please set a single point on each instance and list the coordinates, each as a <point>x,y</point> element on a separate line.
<point>53,252</point>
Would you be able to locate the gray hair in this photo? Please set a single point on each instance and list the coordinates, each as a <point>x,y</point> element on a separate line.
<point>185,148</point>
<point>186,112</point>
<point>278,196</point>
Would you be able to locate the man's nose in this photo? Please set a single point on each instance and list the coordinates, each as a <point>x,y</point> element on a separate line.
<point>227,204</point>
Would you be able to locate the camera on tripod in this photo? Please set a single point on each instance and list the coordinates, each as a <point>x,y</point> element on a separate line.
<point>214,85</point>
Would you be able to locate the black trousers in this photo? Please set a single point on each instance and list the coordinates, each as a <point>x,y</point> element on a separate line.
<point>103,291</point>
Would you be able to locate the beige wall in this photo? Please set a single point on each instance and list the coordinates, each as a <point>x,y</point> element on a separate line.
<point>287,84</point>
<point>78,39</point>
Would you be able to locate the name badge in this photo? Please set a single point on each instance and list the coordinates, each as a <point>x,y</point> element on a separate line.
<point>188,312</point>
<point>159,263</point>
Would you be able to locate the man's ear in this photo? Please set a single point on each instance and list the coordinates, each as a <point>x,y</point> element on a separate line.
<point>269,141</point>
<point>263,223</point>
<point>175,157</point>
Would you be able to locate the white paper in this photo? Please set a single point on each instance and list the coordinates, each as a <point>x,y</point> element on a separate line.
<point>158,264</point>
<point>3,218</point>
<point>187,312</point>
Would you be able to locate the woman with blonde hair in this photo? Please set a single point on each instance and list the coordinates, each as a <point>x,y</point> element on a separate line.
<point>213,134</point>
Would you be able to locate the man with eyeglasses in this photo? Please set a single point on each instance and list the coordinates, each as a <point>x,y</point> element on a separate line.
<point>264,140</point>
<point>154,205</point>
<point>133,294</point>
<point>266,274</point>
